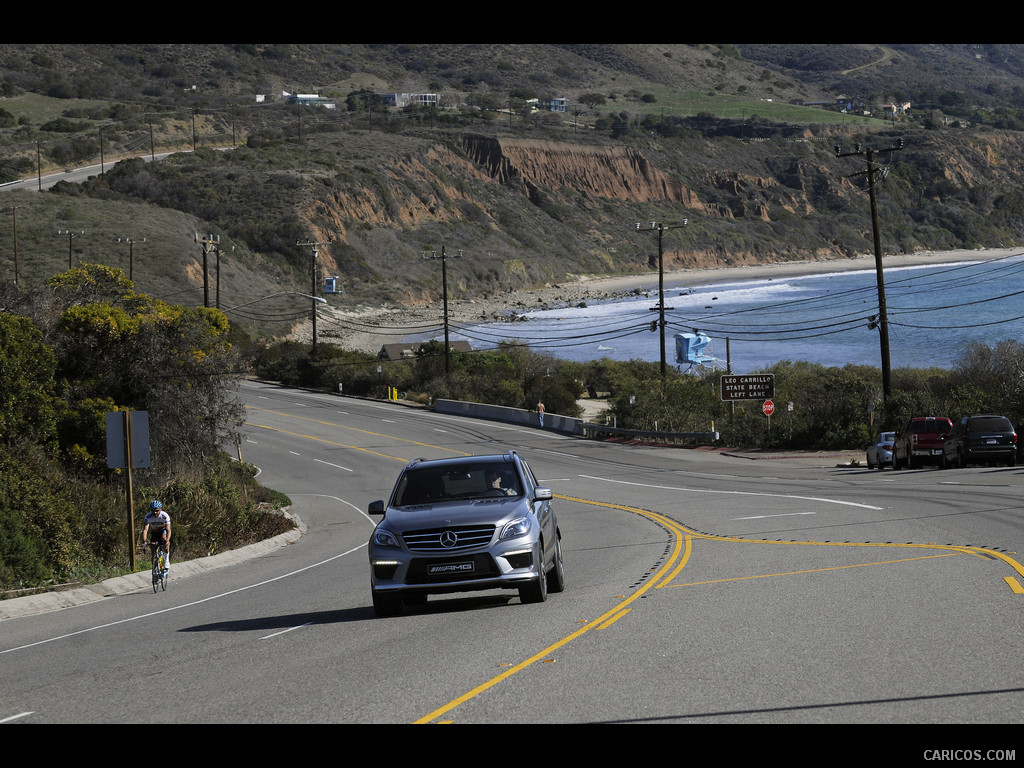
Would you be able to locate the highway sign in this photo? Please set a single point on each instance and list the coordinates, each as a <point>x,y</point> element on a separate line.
<point>752,387</point>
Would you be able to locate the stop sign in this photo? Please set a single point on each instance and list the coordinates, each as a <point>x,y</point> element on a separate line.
<point>768,407</point>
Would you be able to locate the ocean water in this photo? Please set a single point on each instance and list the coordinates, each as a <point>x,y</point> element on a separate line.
<point>934,313</point>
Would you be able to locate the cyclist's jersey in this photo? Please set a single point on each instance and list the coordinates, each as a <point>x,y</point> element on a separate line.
<point>157,521</point>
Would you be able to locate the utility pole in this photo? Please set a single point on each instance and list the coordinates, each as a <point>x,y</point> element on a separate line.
<point>209,243</point>
<point>14,214</point>
<point>444,289</point>
<point>131,254</point>
<point>218,249</point>
<point>661,229</point>
<point>872,172</point>
<point>71,236</point>
<point>313,272</point>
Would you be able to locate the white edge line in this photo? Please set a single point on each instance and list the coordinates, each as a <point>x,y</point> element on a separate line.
<point>336,466</point>
<point>737,493</point>
<point>286,631</point>
<point>205,599</point>
<point>15,717</point>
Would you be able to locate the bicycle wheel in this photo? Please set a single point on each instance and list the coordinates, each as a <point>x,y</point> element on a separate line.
<point>156,568</point>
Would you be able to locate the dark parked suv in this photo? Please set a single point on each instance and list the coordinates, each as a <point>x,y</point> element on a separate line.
<point>920,442</point>
<point>983,437</point>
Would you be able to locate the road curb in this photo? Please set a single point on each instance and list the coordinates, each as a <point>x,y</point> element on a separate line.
<point>842,459</point>
<point>32,605</point>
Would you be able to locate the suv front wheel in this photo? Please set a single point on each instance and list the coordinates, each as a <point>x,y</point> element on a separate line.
<point>536,591</point>
<point>556,576</point>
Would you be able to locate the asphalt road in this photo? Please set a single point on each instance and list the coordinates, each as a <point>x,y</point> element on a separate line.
<point>73,175</point>
<point>701,588</point>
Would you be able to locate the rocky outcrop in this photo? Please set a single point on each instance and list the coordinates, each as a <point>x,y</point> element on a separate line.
<point>534,211</point>
<point>611,172</point>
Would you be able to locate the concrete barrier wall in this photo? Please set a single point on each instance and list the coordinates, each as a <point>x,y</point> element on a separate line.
<point>564,424</point>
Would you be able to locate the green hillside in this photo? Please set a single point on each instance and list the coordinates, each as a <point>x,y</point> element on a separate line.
<point>382,186</point>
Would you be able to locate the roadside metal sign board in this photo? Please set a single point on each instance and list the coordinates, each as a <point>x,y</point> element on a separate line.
<point>750,387</point>
<point>138,431</point>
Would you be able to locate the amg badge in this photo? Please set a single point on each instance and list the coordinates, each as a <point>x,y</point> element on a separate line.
<point>442,568</point>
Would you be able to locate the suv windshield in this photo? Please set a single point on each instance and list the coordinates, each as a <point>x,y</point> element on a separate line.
<point>427,485</point>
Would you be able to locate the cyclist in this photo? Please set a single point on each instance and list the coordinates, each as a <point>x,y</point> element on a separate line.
<point>157,529</point>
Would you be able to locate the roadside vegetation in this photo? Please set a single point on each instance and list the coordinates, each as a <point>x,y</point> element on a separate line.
<point>834,408</point>
<point>101,311</point>
<point>88,345</point>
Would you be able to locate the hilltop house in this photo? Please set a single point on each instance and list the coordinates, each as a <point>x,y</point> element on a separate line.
<point>313,99</point>
<point>412,99</point>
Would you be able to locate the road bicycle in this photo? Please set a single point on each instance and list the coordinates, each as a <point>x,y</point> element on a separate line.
<point>159,566</point>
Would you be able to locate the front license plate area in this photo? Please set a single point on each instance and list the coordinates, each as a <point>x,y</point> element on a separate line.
<point>424,570</point>
<point>445,570</point>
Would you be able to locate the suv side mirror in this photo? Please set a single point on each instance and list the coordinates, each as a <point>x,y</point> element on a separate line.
<point>376,507</point>
<point>541,494</point>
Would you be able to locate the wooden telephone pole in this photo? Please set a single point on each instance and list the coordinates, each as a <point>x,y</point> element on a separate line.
<point>872,172</point>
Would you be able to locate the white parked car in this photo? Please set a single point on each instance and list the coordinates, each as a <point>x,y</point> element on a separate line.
<point>880,451</point>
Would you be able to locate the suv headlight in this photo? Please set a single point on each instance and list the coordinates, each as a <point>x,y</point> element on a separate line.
<point>385,538</point>
<point>516,528</point>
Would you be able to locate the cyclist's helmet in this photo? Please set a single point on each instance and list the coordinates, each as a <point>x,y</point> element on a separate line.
<point>155,505</point>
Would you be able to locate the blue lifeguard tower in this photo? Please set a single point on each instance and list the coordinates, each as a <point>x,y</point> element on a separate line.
<point>690,349</point>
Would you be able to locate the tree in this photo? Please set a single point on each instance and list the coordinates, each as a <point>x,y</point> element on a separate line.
<point>28,402</point>
<point>363,99</point>
<point>127,349</point>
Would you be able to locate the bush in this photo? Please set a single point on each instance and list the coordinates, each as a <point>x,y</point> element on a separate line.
<point>39,524</point>
<point>223,509</point>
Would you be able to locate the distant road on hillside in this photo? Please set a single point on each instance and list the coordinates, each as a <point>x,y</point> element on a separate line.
<point>74,175</point>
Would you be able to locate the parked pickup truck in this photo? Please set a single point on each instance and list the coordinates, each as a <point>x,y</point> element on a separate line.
<point>920,442</point>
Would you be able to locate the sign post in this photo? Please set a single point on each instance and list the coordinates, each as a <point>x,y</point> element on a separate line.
<point>768,408</point>
<point>127,447</point>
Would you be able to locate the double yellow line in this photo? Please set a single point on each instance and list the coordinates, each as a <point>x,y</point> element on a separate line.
<point>662,576</point>
<point>677,559</point>
<point>336,425</point>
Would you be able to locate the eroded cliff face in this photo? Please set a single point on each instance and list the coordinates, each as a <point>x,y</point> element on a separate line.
<point>406,192</point>
<point>620,173</point>
<point>477,181</point>
<point>412,190</point>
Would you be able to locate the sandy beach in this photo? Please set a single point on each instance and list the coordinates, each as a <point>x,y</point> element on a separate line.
<point>368,329</point>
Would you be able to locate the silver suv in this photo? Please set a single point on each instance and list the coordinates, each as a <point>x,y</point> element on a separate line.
<point>462,524</point>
